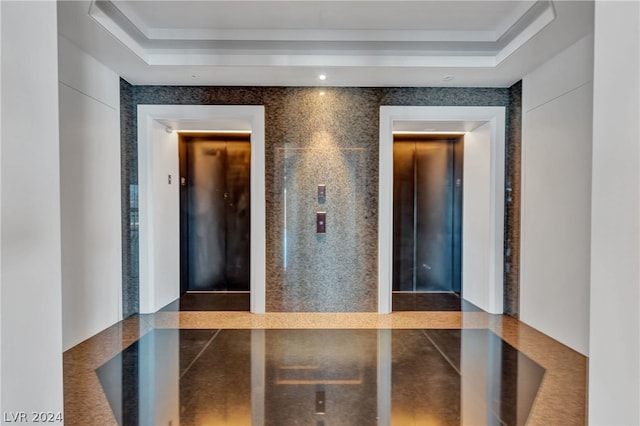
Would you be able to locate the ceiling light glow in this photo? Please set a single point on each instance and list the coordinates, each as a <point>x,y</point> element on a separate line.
<point>322,77</point>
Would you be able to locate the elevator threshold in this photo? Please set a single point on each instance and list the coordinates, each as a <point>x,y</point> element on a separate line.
<point>443,301</point>
<point>237,301</point>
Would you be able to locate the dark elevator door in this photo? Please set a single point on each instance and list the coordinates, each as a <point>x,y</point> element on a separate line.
<point>215,212</point>
<point>427,213</point>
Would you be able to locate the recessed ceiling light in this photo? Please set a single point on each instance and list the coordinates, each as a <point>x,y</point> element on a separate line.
<point>447,77</point>
<point>322,77</point>
<point>322,93</point>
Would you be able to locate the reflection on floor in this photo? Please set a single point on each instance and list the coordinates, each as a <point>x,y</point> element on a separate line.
<point>339,377</point>
<point>406,368</point>
<point>430,301</point>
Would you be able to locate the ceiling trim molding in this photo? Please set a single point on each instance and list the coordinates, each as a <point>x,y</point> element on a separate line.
<point>317,47</point>
<point>317,35</point>
<point>333,61</point>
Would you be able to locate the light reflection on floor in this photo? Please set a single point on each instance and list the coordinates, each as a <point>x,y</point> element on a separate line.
<point>314,377</point>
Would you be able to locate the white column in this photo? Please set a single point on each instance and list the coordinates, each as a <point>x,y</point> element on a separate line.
<point>30,211</point>
<point>614,352</point>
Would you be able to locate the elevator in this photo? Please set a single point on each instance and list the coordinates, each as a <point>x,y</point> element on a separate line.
<point>427,213</point>
<point>215,212</point>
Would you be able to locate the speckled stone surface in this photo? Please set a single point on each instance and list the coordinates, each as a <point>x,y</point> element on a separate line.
<point>328,275</point>
<point>84,400</point>
<point>560,400</point>
<point>513,163</point>
<point>129,179</point>
<point>322,139</point>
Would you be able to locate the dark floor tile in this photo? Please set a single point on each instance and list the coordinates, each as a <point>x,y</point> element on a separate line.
<point>120,380</point>
<point>425,301</point>
<point>210,302</point>
<point>216,389</point>
<point>192,343</point>
<point>332,377</point>
<point>447,343</point>
<point>514,380</point>
<point>337,367</point>
<point>425,388</point>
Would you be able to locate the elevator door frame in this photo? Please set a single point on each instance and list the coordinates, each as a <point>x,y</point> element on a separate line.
<point>158,158</point>
<point>483,257</point>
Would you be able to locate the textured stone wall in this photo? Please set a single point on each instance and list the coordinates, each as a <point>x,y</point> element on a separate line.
<point>313,139</point>
<point>513,154</point>
<point>129,180</point>
<point>322,139</point>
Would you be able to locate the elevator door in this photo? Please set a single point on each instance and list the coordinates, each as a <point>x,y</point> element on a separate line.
<point>427,198</point>
<point>215,212</point>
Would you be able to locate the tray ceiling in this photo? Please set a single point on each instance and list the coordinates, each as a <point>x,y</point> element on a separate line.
<point>359,43</point>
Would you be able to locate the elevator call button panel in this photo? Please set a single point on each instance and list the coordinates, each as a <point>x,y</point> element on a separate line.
<point>322,192</point>
<point>321,222</point>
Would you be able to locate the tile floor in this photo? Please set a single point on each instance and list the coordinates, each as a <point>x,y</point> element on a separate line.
<point>401,301</point>
<point>406,368</point>
<point>208,301</point>
<point>423,301</point>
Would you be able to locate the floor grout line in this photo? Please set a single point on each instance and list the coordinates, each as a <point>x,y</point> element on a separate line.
<point>200,353</point>
<point>441,352</point>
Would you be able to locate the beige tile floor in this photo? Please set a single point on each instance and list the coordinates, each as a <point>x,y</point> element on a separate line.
<point>561,399</point>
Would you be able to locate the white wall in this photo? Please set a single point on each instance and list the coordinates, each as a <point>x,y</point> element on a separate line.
<point>476,214</point>
<point>162,250</point>
<point>30,215</point>
<point>614,364</point>
<point>556,196</point>
<point>90,195</point>
<point>1,118</point>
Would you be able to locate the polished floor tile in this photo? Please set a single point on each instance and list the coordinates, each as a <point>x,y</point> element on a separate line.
<point>210,301</point>
<point>338,377</point>
<point>240,301</point>
<point>430,301</point>
<point>406,368</point>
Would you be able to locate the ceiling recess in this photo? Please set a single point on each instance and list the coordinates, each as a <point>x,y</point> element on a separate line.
<point>268,42</point>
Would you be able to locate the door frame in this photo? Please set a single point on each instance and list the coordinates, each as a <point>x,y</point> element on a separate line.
<point>483,208</point>
<point>159,232</point>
